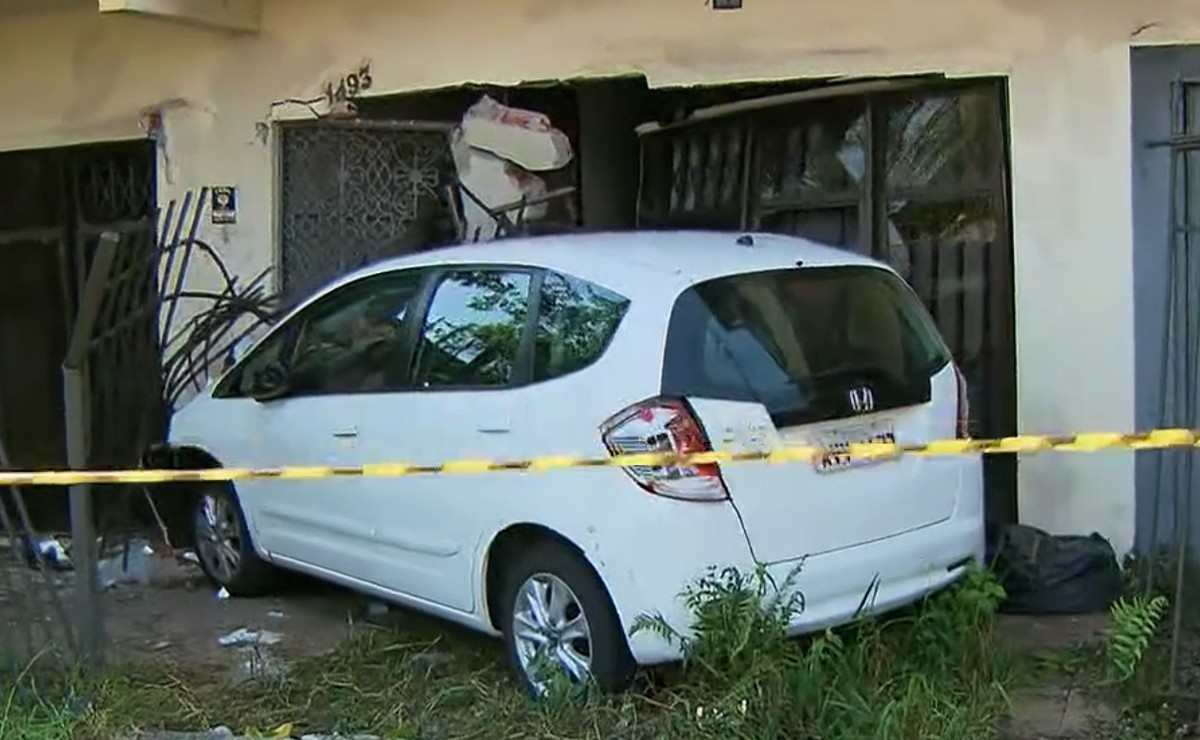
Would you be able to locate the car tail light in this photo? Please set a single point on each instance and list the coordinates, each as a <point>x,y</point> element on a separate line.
<point>963,425</point>
<point>665,425</point>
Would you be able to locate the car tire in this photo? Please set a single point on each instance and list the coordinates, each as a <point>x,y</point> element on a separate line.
<point>223,545</point>
<point>544,570</point>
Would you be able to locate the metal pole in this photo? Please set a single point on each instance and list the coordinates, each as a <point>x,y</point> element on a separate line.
<point>88,615</point>
<point>89,620</point>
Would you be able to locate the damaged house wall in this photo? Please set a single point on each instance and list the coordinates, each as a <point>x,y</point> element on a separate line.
<point>71,76</point>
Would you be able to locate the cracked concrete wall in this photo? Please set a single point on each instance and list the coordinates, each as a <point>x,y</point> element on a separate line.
<point>70,76</point>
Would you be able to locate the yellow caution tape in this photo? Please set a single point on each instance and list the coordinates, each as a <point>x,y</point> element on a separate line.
<point>1089,442</point>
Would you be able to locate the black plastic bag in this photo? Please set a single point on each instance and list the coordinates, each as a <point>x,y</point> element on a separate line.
<point>1055,574</point>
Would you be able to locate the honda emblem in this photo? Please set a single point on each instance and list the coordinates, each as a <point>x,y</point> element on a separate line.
<point>862,400</point>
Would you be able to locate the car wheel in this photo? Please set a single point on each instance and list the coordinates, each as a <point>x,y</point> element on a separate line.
<point>223,545</point>
<point>558,620</point>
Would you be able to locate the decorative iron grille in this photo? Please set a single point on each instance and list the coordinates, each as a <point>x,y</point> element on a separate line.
<point>697,173</point>
<point>112,189</point>
<point>113,192</point>
<point>350,192</point>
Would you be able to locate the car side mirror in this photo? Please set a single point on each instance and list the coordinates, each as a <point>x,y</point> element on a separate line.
<point>269,382</point>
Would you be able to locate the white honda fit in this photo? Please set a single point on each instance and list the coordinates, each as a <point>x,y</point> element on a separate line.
<point>592,345</point>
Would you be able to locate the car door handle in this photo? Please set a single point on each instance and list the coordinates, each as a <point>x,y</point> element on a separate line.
<point>493,430</point>
<point>346,434</point>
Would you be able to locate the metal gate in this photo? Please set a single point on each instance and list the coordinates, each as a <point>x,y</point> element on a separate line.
<point>49,231</point>
<point>353,192</point>
<point>115,196</point>
<point>908,171</point>
<point>1171,544</point>
<point>49,234</point>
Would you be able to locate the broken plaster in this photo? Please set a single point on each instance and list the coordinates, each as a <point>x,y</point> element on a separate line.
<point>152,119</point>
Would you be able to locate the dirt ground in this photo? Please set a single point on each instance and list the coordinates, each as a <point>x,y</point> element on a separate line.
<point>1062,707</point>
<point>178,614</point>
<point>186,622</point>
<point>1054,633</point>
<point>179,617</point>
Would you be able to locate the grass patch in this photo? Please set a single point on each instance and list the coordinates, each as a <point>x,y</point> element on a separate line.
<point>26,713</point>
<point>933,671</point>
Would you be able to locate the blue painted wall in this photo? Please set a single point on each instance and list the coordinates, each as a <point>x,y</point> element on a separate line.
<point>1153,70</point>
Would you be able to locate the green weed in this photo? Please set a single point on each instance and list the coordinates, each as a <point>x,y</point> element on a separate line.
<point>931,672</point>
<point>1134,622</point>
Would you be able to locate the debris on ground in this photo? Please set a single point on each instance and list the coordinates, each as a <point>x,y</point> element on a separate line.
<point>49,550</point>
<point>133,562</point>
<point>245,637</point>
<point>256,661</point>
<point>1055,574</point>
<point>52,551</point>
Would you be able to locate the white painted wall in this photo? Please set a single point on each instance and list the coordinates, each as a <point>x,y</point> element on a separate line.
<point>69,76</point>
<point>1072,235</point>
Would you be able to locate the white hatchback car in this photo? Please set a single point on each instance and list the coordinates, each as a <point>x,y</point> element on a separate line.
<point>593,345</point>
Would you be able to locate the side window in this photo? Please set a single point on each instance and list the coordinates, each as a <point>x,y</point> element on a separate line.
<point>473,329</point>
<point>354,341</point>
<point>241,382</point>
<point>576,321</point>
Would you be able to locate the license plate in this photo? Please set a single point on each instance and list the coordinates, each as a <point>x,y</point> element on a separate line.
<point>835,446</point>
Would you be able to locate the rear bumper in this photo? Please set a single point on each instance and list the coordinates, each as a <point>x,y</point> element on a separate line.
<point>905,568</point>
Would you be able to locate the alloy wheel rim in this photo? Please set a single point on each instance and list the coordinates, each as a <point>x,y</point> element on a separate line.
<point>551,630</point>
<point>218,537</point>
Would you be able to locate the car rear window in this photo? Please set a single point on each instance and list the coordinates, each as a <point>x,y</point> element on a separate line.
<point>576,322</point>
<point>803,342</point>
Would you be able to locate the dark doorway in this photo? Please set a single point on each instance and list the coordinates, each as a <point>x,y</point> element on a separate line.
<point>912,172</point>
<point>58,203</point>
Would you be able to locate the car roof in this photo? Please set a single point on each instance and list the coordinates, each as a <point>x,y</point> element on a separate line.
<point>633,261</point>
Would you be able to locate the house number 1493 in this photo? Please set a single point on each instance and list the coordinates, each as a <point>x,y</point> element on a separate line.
<point>349,86</point>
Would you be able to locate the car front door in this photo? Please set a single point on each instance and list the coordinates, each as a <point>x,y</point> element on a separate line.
<point>305,393</point>
<point>472,347</point>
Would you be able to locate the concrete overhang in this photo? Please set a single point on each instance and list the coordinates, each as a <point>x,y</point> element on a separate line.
<point>240,16</point>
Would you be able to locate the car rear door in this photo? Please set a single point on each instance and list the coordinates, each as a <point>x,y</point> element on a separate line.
<point>818,356</point>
